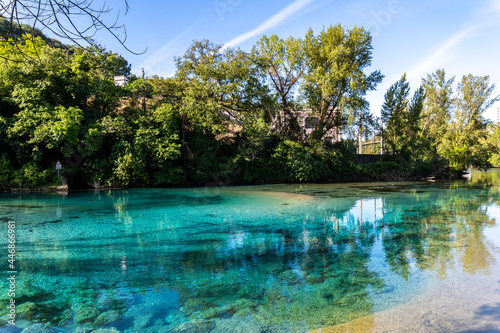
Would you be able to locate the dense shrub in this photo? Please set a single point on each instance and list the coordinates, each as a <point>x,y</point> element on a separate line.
<point>30,175</point>
<point>377,170</point>
<point>6,172</point>
<point>298,164</point>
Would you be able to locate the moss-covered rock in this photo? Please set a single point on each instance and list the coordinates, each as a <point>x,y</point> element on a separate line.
<point>315,278</point>
<point>241,304</point>
<point>194,305</point>
<point>85,313</point>
<point>239,325</point>
<point>217,312</point>
<point>27,310</point>
<point>244,312</point>
<point>196,326</point>
<point>106,317</point>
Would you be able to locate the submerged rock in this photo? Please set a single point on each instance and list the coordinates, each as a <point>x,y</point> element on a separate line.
<point>106,330</point>
<point>81,330</point>
<point>114,301</point>
<point>107,317</point>
<point>36,328</point>
<point>196,326</point>
<point>242,303</point>
<point>85,313</point>
<point>314,278</point>
<point>175,318</point>
<point>158,327</point>
<point>27,310</point>
<point>217,312</point>
<point>240,325</point>
<point>194,305</point>
<point>245,312</point>
<point>142,321</point>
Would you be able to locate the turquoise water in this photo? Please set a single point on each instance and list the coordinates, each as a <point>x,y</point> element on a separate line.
<point>283,258</point>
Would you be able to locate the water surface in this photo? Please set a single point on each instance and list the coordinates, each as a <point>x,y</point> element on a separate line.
<point>281,258</point>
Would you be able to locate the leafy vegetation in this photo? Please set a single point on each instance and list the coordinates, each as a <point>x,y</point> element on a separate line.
<point>229,116</point>
<point>441,124</point>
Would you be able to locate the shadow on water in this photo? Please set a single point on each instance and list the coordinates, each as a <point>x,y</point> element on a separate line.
<point>491,312</point>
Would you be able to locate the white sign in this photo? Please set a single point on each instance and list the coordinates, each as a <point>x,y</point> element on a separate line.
<point>58,165</point>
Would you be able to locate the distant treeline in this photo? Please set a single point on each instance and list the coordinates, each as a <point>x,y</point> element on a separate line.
<point>16,32</point>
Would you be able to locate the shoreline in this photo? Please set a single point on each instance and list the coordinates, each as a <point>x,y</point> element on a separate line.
<point>54,189</point>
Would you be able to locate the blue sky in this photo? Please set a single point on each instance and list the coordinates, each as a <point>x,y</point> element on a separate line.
<point>412,36</point>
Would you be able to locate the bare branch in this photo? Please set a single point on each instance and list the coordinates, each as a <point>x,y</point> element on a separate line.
<point>73,20</point>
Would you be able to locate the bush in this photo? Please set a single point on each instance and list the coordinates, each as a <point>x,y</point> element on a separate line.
<point>30,175</point>
<point>299,164</point>
<point>340,162</point>
<point>377,170</point>
<point>6,172</point>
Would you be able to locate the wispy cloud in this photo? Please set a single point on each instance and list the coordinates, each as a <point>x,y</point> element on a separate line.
<point>271,22</point>
<point>435,60</point>
<point>494,5</point>
<point>166,50</point>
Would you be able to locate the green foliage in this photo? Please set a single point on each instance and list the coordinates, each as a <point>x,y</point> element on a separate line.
<point>464,144</point>
<point>438,107</point>
<point>377,170</point>
<point>30,175</point>
<point>17,31</point>
<point>45,129</point>
<point>6,172</point>
<point>141,149</point>
<point>494,141</point>
<point>204,158</point>
<point>218,84</point>
<point>284,62</point>
<point>334,78</point>
<point>402,118</point>
<point>297,164</point>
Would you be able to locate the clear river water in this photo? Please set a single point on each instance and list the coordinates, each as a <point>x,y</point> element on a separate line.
<point>276,258</point>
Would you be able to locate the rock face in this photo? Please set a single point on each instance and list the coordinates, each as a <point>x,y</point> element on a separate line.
<point>62,188</point>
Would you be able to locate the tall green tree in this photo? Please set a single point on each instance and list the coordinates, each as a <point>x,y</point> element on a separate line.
<point>464,144</point>
<point>284,62</point>
<point>402,117</point>
<point>219,84</point>
<point>438,107</point>
<point>335,78</point>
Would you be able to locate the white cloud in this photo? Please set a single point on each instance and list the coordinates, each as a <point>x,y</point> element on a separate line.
<point>271,22</point>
